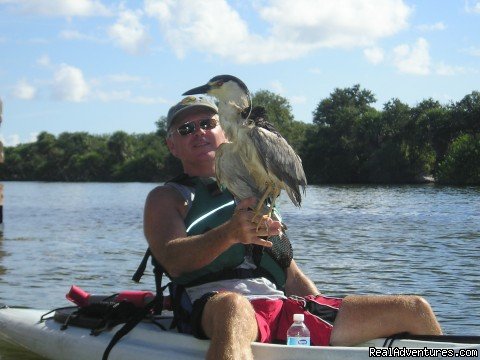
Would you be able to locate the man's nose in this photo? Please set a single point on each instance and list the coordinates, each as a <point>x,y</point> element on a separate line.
<point>198,130</point>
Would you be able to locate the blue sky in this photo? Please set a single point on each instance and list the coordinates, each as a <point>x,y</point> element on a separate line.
<point>101,66</point>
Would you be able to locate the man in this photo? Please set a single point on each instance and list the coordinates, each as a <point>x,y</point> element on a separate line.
<point>229,307</point>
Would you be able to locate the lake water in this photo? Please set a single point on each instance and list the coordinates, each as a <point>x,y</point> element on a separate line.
<point>349,239</point>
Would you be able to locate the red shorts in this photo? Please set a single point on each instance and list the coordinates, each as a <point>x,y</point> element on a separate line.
<point>274,317</point>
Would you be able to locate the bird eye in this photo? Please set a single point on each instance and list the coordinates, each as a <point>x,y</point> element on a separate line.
<point>219,83</point>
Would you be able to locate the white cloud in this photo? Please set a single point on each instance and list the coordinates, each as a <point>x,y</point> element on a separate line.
<point>147,100</point>
<point>298,99</point>
<point>69,84</point>
<point>108,96</point>
<point>44,61</point>
<point>336,23</point>
<point>448,70</point>
<point>201,28</point>
<point>38,41</point>
<point>10,140</point>
<point>413,59</point>
<point>23,90</point>
<point>59,7</point>
<point>472,50</point>
<point>123,78</point>
<point>33,137</point>
<point>72,35</point>
<point>14,139</point>
<point>432,27</point>
<point>374,55</point>
<point>277,87</point>
<point>472,6</point>
<point>77,35</point>
<point>126,96</point>
<point>129,33</point>
<point>294,28</point>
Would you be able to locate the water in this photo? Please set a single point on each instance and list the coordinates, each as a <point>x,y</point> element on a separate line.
<point>348,239</point>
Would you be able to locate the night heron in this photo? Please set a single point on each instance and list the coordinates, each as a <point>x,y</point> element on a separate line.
<point>257,160</point>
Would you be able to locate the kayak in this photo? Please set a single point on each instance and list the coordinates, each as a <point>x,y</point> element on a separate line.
<point>22,327</point>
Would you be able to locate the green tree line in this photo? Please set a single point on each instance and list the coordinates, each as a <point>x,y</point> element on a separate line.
<point>349,141</point>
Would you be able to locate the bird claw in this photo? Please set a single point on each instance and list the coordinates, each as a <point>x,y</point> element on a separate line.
<point>263,220</point>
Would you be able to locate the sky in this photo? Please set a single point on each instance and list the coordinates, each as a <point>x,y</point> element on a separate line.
<point>102,66</point>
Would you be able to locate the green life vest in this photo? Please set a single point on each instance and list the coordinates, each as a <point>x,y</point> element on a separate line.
<point>212,207</point>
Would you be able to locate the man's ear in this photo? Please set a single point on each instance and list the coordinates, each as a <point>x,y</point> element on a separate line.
<point>171,146</point>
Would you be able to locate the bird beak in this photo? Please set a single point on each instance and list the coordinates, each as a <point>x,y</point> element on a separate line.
<point>198,90</point>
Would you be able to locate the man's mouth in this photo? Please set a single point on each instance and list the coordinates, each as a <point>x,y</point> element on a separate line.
<point>201,144</point>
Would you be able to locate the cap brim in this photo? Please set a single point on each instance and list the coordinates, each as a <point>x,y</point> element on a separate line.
<point>189,109</point>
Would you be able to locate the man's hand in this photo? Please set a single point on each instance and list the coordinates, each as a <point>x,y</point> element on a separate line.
<point>243,230</point>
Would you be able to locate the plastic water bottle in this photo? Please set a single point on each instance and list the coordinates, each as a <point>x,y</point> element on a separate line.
<point>298,333</point>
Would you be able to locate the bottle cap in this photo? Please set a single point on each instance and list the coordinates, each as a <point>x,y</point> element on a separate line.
<point>298,317</point>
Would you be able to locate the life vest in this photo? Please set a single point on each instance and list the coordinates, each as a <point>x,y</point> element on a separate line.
<point>212,207</point>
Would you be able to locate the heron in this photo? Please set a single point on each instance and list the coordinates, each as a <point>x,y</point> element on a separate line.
<point>257,160</point>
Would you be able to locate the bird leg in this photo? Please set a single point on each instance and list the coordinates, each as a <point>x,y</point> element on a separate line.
<point>273,192</point>
<point>259,209</point>
<point>275,195</point>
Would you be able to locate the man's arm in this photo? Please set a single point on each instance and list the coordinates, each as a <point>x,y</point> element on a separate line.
<point>298,283</point>
<point>165,231</point>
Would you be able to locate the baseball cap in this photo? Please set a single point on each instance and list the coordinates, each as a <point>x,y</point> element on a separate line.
<point>186,105</point>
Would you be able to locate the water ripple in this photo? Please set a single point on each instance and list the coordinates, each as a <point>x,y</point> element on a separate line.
<point>348,239</point>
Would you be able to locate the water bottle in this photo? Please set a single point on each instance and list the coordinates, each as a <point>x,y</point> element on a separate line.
<point>298,333</point>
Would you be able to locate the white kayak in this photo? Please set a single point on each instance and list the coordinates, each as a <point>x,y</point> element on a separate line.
<point>22,327</point>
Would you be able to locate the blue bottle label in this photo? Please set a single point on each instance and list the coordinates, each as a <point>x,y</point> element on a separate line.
<point>301,341</point>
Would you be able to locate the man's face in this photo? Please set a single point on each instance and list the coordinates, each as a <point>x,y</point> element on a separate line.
<point>199,145</point>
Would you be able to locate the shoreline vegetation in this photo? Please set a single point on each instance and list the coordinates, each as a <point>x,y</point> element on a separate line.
<point>349,141</point>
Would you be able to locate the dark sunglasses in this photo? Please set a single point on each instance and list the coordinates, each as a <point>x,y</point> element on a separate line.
<point>190,127</point>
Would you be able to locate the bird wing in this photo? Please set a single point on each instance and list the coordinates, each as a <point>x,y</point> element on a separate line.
<point>232,173</point>
<point>279,159</point>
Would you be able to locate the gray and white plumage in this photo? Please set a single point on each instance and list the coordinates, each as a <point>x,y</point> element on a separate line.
<point>257,160</point>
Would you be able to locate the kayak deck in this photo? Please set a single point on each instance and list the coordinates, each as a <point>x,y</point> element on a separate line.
<point>148,341</point>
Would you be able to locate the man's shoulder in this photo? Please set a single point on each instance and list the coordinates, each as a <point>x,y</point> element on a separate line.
<point>163,194</point>
<point>163,199</point>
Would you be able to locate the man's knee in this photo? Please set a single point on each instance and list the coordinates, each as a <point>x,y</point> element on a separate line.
<point>229,302</point>
<point>416,305</point>
<point>226,308</point>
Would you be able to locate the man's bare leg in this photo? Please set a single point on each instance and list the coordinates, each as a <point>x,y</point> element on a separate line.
<point>229,321</point>
<point>363,318</point>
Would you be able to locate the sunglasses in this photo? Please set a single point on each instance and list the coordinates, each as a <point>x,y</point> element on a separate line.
<point>190,127</point>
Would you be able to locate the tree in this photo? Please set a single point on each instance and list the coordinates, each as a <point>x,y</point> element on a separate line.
<point>278,109</point>
<point>332,153</point>
<point>420,133</point>
<point>74,143</point>
<point>147,167</point>
<point>343,106</point>
<point>45,143</point>
<point>461,165</point>
<point>349,141</point>
<point>161,127</point>
<point>279,113</point>
<point>120,146</point>
<point>466,113</point>
<point>441,131</point>
<point>390,162</point>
